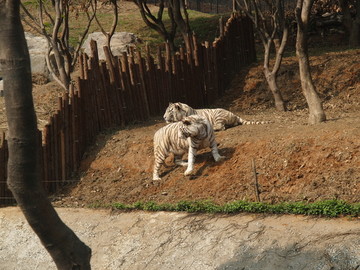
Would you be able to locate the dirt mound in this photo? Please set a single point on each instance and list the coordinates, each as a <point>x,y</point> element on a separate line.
<point>295,161</point>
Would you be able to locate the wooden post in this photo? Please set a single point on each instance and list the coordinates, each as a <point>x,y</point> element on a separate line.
<point>256,184</point>
<point>221,27</point>
<point>75,129</point>
<point>47,157</point>
<point>81,64</point>
<point>3,164</point>
<point>134,84</point>
<point>168,65</point>
<point>129,95</point>
<point>188,43</point>
<point>151,83</point>
<point>62,142</point>
<point>40,156</point>
<point>143,84</point>
<point>52,151</point>
<point>94,52</point>
<point>169,73</point>
<point>85,66</point>
<point>162,87</point>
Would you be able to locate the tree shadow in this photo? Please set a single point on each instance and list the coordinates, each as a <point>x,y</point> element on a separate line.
<point>104,136</point>
<point>293,256</point>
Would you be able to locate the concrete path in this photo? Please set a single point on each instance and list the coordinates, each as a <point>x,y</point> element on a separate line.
<point>159,240</point>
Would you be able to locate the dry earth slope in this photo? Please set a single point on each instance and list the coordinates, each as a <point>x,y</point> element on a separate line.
<point>295,161</point>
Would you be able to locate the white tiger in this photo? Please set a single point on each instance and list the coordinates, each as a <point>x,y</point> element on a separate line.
<point>219,118</point>
<point>191,134</point>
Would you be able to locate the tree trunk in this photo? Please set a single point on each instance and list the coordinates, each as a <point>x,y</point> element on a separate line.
<point>351,25</point>
<point>171,41</point>
<point>354,39</point>
<point>182,25</point>
<point>67,251</point>
<point>269,35</point>
<point>271,80</point>
<point>316,111</point>
<point>271,76</point>
<point>64,77</point>
<point>157,23</point>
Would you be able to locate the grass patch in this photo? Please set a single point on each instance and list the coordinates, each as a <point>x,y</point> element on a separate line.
<point>328,208</point>
<point>204,25</point>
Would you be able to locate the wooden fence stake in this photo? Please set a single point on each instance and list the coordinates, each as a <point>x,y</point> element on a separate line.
<point>221,27</point>
<point>256,184</point>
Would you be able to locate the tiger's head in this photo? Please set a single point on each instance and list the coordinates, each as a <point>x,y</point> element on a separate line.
<point>193,126</point>
<point>175,112</point>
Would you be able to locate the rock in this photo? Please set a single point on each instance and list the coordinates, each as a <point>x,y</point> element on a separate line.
<point>120,42</point>
<point>38,48</point>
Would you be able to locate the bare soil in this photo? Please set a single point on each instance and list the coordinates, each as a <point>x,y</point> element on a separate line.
<point>294,161</point>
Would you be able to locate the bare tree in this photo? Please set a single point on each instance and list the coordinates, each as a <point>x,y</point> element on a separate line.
<point>109,34</point>
<point>316,111</point>
<point>180,11</point>
<point>157,23</point>
<point>269,21</point>
<point>54,26</point>
<point>66,249</point>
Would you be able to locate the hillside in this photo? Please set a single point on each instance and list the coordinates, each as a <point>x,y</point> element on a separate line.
<point>294,161</point>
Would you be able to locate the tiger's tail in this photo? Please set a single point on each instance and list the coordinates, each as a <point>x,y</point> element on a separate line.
<point>247,122</point>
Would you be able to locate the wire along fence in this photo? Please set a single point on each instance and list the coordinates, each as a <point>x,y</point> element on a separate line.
<point>131,88</point>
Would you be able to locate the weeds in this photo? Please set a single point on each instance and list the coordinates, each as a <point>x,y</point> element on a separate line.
<point>328,208</point>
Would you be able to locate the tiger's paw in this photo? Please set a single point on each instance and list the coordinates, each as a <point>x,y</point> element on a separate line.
<point>181,163</point>
<point>188,172</point>
<point>218,158</point>
<point>219,127</point>
<point>156,178</point>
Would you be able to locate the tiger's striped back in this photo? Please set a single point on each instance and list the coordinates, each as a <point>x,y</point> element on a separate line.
<point>219,118</point>
<point>222,119</point>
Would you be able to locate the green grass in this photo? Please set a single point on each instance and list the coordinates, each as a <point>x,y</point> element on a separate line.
<point>328,208</point>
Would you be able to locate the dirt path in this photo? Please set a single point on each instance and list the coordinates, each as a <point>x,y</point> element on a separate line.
<point>155,241</point>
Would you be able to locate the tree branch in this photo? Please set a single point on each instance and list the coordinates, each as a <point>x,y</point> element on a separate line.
<point>280,52</point>
<point>82,37</point>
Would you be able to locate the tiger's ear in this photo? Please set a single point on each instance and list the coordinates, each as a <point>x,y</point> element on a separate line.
<point>186,122</point>
<point>178,106</point>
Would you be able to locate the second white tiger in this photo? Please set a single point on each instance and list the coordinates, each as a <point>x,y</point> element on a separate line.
<point>220,119</point>
<point>191,134</point>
